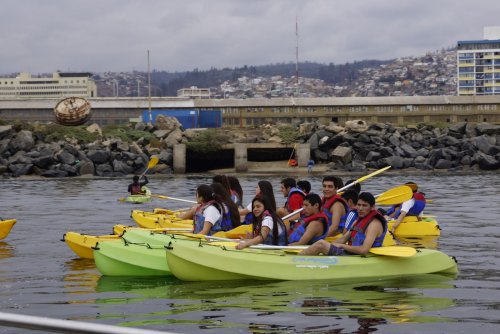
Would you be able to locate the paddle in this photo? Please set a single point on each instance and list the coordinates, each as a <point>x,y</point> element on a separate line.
<point>152,162</point>
<point>396,251</point>
<point>173,198</point>
<point>396,195</point>
<point>361,179</point>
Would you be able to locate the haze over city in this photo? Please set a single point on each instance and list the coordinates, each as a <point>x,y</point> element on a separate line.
<point>114,35</point>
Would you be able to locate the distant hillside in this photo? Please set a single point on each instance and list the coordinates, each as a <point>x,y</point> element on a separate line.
<point>331,74</point>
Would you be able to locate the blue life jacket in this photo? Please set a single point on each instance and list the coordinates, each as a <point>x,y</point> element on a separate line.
<point>222,224</point>
<point>282,240</point>
<point>301,229</point>
<point>351,217</point>
<point>326,206</point>
<point>358,235</point>
<point>417,208</point>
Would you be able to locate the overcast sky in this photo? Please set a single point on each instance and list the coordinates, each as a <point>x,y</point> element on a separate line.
<point>42,36</point>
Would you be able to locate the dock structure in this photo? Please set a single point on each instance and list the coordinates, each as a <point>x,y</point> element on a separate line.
<point>246,113</point>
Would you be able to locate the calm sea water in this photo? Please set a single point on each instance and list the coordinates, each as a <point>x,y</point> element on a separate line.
<point>40,275</point>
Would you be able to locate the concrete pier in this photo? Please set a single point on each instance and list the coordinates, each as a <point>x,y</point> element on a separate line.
<point>302,153</point>
<point>240,158</point>
<point>180,158</point>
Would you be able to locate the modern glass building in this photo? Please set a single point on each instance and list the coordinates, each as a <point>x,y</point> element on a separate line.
<point>478,65</point>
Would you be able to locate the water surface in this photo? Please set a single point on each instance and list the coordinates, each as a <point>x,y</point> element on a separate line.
<point>40,275</point>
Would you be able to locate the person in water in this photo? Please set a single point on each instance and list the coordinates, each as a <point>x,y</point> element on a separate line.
<point>135,188</point>
<point>368,231</point>
<point>267,227</point>
<point>313,223</point>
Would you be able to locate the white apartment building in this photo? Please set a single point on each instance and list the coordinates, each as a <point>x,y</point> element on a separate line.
<point>194,92</point>
<point>478,64</point>
<point>60,85</point>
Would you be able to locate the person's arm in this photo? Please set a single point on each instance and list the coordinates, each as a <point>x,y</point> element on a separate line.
<point>372,231</point>
<point>405,208</point>
<point>146,181</point>
<point>188,214</point>
<point>314,228</point>
<point>337,211</point>
<point>207,226</point>
<point>130,188</point>
<point>255,240</point>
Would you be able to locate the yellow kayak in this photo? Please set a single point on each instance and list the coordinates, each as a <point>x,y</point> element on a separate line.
<point>156,220</point>
<point>411,227</point>
<point>82,244</point>
<point>5,227</point>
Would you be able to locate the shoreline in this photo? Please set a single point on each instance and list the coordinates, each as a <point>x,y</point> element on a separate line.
<point>273,169</point>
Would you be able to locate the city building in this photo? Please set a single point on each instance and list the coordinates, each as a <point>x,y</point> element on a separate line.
<point>194,92</point>
<point>478,64</point>
<point>60,85</point>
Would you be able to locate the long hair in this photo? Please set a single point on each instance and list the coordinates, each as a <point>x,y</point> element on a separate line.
<point>235,185</point>
<point>205,191</point>
<point>277,221</point>
<point>222,197</point>
<point>266,188</point>
<point>222,179</point>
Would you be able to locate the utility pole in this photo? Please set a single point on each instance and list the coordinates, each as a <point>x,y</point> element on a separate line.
<point>149,92</point>
<point>297,52</point>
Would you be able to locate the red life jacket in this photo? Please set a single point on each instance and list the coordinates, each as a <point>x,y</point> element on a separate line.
<point>135,189</point>
<point>362,223</point>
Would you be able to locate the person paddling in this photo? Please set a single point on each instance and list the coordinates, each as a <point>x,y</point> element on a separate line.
<point>135,188</point>
<point>313,223</point>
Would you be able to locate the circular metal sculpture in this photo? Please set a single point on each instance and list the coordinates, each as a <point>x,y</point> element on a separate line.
<point>72,111</point>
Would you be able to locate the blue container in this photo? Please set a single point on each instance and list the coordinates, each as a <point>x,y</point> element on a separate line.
<point>189,118</point>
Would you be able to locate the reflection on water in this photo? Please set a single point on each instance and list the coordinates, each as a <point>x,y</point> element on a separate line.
<point>6,250</point>
<point>395,301</point>
<point>39,275</point>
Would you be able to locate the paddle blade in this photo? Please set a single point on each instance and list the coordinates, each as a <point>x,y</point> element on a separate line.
<point>397,251</point>
<point>395,196</point>
<point>153,161</point>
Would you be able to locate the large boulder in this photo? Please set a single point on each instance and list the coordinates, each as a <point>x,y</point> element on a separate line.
<point>23,141</point>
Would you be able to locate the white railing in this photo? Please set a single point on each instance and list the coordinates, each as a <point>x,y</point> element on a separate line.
<point>67,326</point>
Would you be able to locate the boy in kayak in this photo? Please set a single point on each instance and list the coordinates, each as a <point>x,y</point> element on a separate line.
<point>413,207</point>
<point>313,223</point>
<point>294,198</point>
<point>135,187</point>
<point>333,205</point>
<point>368,231</point>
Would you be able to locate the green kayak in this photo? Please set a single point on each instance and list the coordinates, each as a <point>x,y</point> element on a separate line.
<point>130,259</point>
<point>140,253</point>
<point>194,261</point>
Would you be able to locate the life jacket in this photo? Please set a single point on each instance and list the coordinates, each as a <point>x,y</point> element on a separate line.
<point>301,229</point>
<point>326,205</point>
<point>293,190</point>
<point>417,208</point>
<point>135,189</point>
<point>358,235</point>
<point>222,224</point>
<point>419,205</point>
<point>282,240</point>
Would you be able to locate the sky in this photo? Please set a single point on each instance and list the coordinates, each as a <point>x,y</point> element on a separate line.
<point>43,36</point>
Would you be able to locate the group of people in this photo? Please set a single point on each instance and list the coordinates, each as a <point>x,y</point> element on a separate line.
<point>306,217</point>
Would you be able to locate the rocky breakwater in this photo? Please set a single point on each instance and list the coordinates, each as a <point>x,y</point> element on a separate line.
<point>52,150</point>
<point>358,146</point>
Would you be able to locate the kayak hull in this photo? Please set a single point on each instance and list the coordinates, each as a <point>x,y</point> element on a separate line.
<point>5,227</point>
<point>191,261</point>
<point>410,227</point>
<point>129,259</point>
<point>81,244</point>
<point>138,199</point>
